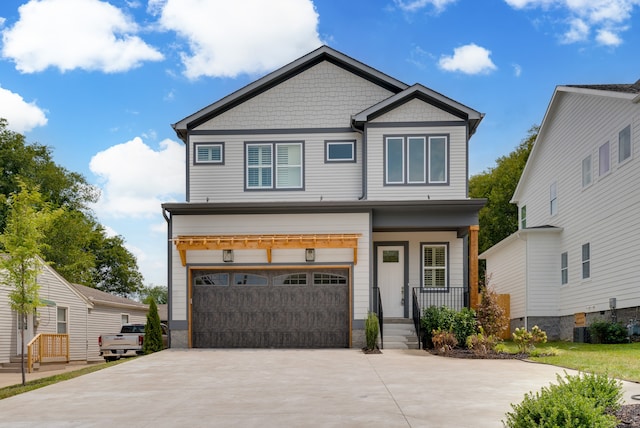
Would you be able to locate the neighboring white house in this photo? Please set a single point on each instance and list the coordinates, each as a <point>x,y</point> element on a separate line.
<point>81,312</point>
<point>308,188</point>
<point>576,252</point>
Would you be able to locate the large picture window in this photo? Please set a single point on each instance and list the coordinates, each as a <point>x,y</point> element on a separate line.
<point>274,166</point>
<point>434,266</point>
<point>416,160</point>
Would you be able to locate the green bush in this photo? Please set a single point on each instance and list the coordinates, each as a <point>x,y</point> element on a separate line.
<point>608,332</point>
<point>526,340</point>
<point>461,323</point>
<point>579,401</point>
<point>152,331</point>
<point>371,330</point>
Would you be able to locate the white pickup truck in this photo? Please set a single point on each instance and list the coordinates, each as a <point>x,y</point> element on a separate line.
<point>127,343</point>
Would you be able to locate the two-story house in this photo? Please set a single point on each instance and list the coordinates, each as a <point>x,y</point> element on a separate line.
<point>308,191</point>
<point>574,258</point>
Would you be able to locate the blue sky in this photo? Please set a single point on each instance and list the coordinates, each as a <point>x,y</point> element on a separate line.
<point>102,81</point>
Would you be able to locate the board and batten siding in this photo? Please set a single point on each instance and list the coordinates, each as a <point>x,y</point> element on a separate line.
<point>273,224</point>
<point>323,96</point>
<point>104,319</point>
<point>456,167</point>
<point>506,272</point>
<point>605,214</point>
<point>333,181</point>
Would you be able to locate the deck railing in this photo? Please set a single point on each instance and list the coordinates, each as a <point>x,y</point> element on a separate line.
<point>47,347</point>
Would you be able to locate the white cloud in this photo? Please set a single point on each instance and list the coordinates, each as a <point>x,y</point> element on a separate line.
<point>517,70</point>
<point>21,115</point>
<point>135,179</point>
<point>70,34</point>
<point>468,59</point>
<point>227,38</point>
<point>415,5</point>
<point>606,18</point>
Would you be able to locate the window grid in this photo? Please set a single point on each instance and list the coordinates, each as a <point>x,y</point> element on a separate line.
<point>274,165</point>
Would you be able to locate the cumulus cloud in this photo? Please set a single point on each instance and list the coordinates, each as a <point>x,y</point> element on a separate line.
<point>244,36</point>
<point>70,34</point>
<point>468,59</point>
<point>135,179</point>
<point>415,5</point>
<point>21,115</point>
<point>605,18</point>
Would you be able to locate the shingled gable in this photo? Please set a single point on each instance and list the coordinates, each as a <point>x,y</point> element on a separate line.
<point>324,53</point>
<point>96,296</point>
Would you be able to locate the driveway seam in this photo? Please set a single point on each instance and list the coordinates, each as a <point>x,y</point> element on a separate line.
<point>389,391</point>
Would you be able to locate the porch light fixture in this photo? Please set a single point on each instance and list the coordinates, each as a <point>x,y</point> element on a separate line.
<point>227,256</point>
<point>310,254</point>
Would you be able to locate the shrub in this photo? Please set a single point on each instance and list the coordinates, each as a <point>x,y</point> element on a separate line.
<point>481,343</point>
<point>464,324</point>
<point>152,330</point>
<point>525,340</point>
<point>461,323</point>
<point>371,329</point>
<point>443,340</point>
<point>608,332</point>
<point>491,316</point>
<point>578,401</point>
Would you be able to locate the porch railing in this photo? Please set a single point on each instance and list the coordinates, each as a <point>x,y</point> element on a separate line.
<point>417,313</point>
<point>47,346</point>
<point>377,307</point>
<point>453,297</point>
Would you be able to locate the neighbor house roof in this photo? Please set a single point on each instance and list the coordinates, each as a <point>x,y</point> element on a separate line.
<point>631,88</point>
<point>107,299</point>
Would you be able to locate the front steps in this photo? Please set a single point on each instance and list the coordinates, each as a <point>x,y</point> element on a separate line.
<point>399,333</point>
<point>13,366</point>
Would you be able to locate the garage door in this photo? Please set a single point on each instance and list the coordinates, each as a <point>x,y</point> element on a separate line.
<point>270,308</point>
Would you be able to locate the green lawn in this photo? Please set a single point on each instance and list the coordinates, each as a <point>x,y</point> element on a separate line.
<point>619,361</point>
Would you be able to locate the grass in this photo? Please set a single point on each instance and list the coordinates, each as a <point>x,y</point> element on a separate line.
<point>618,361</point>
<point>10,391</point>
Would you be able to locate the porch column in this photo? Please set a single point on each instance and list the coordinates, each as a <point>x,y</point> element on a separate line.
<point>473,266</point>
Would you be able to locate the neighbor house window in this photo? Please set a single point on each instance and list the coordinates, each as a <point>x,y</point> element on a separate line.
<point>564,268</point>
<point>209,153</point>
<point>63,320</point>
<point>624,144</point>
<point>434,266</point>
<point>553,198</point>
<point>586,261</point>
<point>124,319</point>
<point>340,151</point>
<point>586,171</point>
<point>604,159</point>
<point>523,217</point>
<point>264,170</point>
<point>416,160</point>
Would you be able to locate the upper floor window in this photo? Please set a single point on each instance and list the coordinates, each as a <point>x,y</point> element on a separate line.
<point>416,160</point>
<point>434,266</point>
<point>340,151</point>
<point>586,261</point>
<point>564,268</point>
<point>553,198</point>
<point>62,321</point>
<point>523,217</point>
<point>264,170</point>
<point>208,153</point>
<point>586,171</point>
<point>604,159</point>
<point>624,144</point>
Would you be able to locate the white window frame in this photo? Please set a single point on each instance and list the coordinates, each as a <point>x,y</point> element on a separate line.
<point>124,319</point>
<point>210,158</point>
<point>64,322</point>
<point>624,155</point>
<point>288,167</point>
<point>327,150</point>
<point>434,268</point>
<point>586,171</point>
<point>446,160</point>
<point>553,198</point>
<point>604,167</point>
<point>273,165</point>
<point>564,268</point>
<point>586,261</point>
<point>523,217</point>
<point>416,177</point>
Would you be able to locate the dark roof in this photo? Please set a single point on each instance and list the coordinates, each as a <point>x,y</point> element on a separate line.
<point>97,296</point>
<point>630,88</point>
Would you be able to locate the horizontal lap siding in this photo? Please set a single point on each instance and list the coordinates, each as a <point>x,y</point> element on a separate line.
<point>108,320</point>
<point>543,271</point>
<point>8,332</point>
<point>326,181</point>
<point>506,274</point>
<point>274,224</point>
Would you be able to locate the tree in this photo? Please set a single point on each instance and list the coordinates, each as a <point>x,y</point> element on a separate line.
<point>157,293</point>
<point>499,218</point>
<point>152,331</point>
<point>23,241</point>
<point>116,269</point>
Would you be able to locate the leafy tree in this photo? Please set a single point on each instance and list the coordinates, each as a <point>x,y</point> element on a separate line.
<point>22,242</point>
<point>152,330</point>
<point>157,293</point>
<point>116,269</point>
<point>499,218</point>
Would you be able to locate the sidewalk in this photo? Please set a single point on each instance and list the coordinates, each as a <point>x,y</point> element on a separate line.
<point>8,379</point>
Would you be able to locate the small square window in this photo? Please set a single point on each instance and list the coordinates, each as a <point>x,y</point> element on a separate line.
<point>208,153</point>
<point>340,151</point>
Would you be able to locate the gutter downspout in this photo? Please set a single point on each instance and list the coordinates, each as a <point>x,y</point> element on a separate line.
<point>169,275</point>
<point>364,161</point>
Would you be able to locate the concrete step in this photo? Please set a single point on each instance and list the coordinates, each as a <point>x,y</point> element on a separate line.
<point>399,333</point>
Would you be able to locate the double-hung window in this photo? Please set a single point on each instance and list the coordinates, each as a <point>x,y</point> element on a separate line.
<point>434,266</point>
<point>604,159</point>
<point>62,321</point>
<point>586,171</point>
<point>564,268</point>
<point>586,261</point>
<point>274,166</point>
<point>208,153</point>
<point>624,144</point>
<point>416,160</point>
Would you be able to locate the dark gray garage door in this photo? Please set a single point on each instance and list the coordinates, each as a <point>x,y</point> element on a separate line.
<point>270,308</point>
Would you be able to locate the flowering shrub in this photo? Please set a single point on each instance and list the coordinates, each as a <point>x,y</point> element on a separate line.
<point>443,341</point>
<point>526,340</point>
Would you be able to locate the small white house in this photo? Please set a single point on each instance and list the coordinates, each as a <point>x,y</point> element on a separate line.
<point>574,258</point>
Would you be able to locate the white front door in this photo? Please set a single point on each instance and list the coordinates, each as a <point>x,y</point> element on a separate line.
<point>391,280</point>
<point>26,322</point>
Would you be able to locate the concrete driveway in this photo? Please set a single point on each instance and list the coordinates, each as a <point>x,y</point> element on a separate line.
<point>285,388</point>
